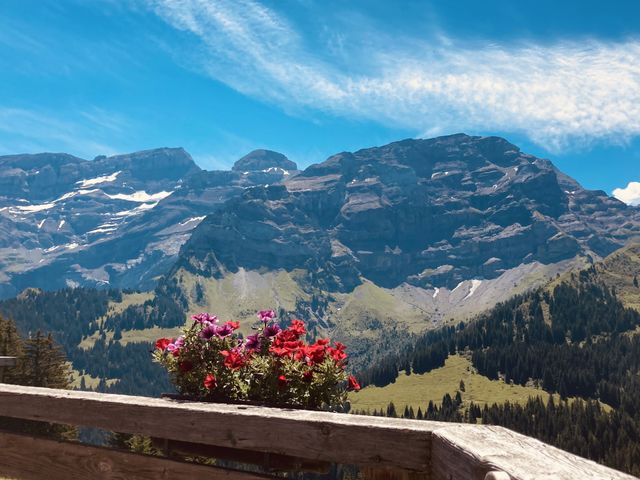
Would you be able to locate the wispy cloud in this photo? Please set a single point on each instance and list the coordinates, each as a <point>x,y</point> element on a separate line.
<point>559,95</point>
<point>629,195</point>
<point>33,130</point>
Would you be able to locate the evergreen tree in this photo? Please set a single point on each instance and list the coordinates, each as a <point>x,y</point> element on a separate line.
<point>11,345</point>
<point>45,365</point>
<point>41,363</point>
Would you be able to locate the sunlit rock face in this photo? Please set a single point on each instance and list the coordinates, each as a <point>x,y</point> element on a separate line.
<point>424,212</point>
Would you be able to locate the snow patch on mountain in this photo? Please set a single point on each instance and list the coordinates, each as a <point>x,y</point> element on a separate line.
<point>474,286</point>
<point>136,211</point>
<point>98,180</point>
<point>140,196</point>
<point>33,208</point>
<point>192,220</point>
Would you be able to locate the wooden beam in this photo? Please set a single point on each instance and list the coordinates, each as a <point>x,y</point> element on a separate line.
<point>471,452</point>
<point>332,437</point>
<point>29,458</point>
<point>7,361</point>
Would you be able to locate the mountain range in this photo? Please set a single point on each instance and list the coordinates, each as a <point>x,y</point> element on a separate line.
<point>118,221</point>
<point>401,238</point>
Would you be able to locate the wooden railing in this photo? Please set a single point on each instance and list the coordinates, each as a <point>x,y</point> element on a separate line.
<point>382,447</point>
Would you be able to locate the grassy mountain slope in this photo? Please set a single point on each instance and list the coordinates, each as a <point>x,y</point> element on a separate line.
<point>619,270</point>
<point>417,390</point>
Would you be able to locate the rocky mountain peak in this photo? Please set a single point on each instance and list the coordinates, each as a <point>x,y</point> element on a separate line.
<point>155,164</point>
<point>260,160</point>
<point>427,212</point>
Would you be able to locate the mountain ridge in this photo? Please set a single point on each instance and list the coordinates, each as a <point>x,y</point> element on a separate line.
<point>421,212</point>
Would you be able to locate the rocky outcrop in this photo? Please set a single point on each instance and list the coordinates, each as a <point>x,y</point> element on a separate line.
<point>426,212</point>
<point>263,160</point>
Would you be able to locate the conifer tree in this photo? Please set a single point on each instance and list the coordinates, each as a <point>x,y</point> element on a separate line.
<point>45,365</point>
<point>41,363</point>
<point>10,346</point>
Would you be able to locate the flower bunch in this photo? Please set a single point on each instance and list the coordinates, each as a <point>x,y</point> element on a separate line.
<point>273,366</point>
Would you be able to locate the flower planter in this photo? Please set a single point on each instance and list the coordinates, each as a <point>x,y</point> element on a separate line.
<point>274,367</point>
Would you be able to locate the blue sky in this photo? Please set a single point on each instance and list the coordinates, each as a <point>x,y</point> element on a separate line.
<point>311,78</point>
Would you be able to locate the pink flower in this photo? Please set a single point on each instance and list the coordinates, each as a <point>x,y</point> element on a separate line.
<point>204,318</point>
<point>174,348</point>
<point>266,315</point>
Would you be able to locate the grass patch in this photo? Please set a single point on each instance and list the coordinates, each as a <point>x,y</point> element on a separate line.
<point>149,334</point>
<point>89,381</point>
<point>128,299</point>
<point>417,390</point>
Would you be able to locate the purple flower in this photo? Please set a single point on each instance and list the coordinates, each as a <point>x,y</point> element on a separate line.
<point>253,342</point>
<point>204,318</point>
<point>224,331</point>
<point>266,315</point>
<point>209,331</point>
<point>272,330</point>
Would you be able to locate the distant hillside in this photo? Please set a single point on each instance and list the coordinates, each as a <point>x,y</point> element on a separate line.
<point>574,338</point>
<point>621,270</point>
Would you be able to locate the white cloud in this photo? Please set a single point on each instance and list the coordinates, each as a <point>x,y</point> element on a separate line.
<point>559,94</point>
<point>629,195</point>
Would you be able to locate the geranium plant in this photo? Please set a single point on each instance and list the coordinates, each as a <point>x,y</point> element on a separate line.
<point>273,366</point>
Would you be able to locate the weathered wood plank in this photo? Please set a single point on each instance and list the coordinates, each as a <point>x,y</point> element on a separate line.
<point>340,438</point>
<point>7,361</point>
<point>470,452</point>
<point>30,458</point>
<point>270,461</point>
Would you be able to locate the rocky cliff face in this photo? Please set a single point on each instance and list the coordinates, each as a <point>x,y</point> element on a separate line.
<point>114,221</point>
<point>422,213</point>
<point>428,213</point>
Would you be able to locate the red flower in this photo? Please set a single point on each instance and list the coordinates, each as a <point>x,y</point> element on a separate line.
<point>312,354</point>
<point>307,376</point>
<point>233,325</point>
<point>233,360</point>
<point>297,326</point>
<point>210,382</point>
<point>282,381</point>
<point>338,353</point>
<point>161,343</point>
<point>185,366</point>
<point>285,348</point>
<point>287,336</point>
<point>353,384</point>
